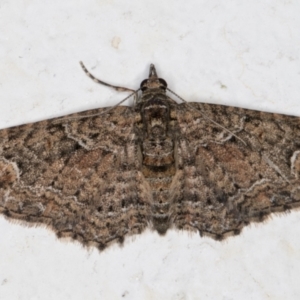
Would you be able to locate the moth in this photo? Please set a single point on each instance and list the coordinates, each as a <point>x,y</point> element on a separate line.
<point>100,175</point>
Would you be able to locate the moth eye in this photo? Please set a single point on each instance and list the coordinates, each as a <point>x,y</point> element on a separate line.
<point>163,82</point>
<point>143,83</point>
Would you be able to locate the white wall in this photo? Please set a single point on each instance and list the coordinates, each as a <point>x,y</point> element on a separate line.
<point>242,53</point>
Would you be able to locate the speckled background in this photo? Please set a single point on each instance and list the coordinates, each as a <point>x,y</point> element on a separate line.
<point>242,53</point>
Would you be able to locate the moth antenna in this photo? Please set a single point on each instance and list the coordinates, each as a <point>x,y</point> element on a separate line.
<point>95,115</point>
<point>117,88</point>
<point>206,117</point>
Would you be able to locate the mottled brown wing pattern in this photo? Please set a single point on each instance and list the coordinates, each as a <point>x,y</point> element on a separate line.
<point>230,179</point>
<point>100,175</point>
<point>79,174</point>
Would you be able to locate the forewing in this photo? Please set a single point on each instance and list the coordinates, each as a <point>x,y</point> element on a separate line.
<point>79,174</point>
<point>236,172</point>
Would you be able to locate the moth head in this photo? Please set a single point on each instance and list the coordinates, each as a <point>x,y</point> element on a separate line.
<point>153,82</point>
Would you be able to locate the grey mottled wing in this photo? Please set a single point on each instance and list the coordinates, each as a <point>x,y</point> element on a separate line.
<point>79,175</point>
<point>230,179</point>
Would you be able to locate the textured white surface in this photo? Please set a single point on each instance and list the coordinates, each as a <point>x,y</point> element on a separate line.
<point>242,53</point>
